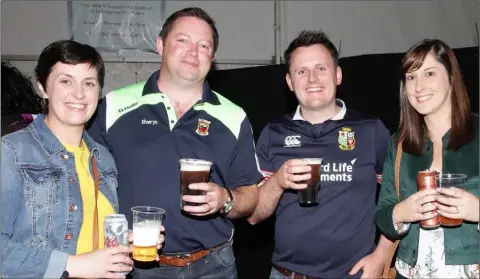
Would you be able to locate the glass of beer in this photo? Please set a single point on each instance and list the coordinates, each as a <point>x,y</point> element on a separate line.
<point>309,195</point>
<point>192,171</point>
<point>449,180</point>
<point>147,221</point>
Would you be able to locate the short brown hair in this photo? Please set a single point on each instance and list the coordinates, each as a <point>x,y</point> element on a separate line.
<point>68,52</point>
<point>190,12</point>
<point>308,38</point>
<point>412,125</point>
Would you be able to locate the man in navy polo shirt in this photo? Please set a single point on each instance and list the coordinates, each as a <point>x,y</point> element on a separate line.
<point>336,238</point>
<point>149,126</point>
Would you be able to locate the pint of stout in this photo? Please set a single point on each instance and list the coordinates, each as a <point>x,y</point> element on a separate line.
<point>309,195</point>
<point>192,171</point>
<point>147,221</point>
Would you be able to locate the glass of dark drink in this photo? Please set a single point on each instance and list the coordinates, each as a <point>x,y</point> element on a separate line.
<point>193,171</point>
<point>309,195</point>
<point>449,180</point>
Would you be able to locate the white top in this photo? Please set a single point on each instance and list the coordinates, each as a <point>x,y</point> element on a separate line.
<point>340,115</point>
<point>431,259</point>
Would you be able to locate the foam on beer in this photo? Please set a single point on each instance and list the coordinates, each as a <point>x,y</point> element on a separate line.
<point>313,161</point>
<point>194,165</point>
<point>146,233</point>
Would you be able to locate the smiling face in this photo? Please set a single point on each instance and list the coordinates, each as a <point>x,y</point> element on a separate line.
<point>428,87</point>
<point>73,92</point>
<point>314,77</point>
<point>187,52</point>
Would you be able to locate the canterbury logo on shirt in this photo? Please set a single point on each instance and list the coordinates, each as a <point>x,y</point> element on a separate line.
<point>293,141</point>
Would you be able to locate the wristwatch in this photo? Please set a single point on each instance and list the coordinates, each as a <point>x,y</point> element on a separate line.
<point>227,207</point>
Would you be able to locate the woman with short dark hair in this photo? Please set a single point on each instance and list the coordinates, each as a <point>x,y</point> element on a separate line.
<point>58,184</point>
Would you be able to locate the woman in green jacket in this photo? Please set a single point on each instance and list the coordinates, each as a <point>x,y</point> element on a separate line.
<point>437,132</point>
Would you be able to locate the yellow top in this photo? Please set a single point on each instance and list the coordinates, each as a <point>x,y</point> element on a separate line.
<point>87,190</point>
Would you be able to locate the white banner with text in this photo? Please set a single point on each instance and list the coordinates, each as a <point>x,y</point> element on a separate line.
<point>117,25</point>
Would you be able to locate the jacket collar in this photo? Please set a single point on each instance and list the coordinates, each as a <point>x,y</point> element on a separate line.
<point>50,143</point>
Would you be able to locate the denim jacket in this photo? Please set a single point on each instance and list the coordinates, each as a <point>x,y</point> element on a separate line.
<point>42,208</point>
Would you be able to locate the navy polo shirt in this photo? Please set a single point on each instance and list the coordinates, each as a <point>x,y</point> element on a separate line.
<point>327,240</point>
<point>139,126</point>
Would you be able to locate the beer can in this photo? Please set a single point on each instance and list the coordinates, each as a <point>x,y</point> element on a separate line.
<point>426,180</point>
<point>115,232</point>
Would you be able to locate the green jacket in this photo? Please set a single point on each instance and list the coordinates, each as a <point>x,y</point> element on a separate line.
<point>461,243</point>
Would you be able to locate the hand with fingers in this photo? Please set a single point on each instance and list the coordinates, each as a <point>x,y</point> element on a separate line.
<point>371,266</point>
<point>417,207</point>
<point>103,263</point>
<point>292,173</point>
<point>456,203</point>
<point>214,199</point>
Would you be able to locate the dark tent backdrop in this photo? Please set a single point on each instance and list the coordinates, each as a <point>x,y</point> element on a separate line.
<point>370,84</point>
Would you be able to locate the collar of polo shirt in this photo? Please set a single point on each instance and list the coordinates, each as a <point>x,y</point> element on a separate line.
<point>340,115</point>
<point>151,86</point>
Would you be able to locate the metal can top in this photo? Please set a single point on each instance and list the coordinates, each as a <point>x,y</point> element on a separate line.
<point>428,171</point>
<point>115,216</point>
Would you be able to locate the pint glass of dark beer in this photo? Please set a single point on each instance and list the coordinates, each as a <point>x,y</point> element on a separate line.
<point>309,195</point>
<point>192,171</point>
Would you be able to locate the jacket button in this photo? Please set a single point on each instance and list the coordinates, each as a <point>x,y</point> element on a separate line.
<point>71,180</point>
<point>72,207</point>
<point>414,251</point>
<point>64,157</point>
<point>450,250</point>
<point>68,236</point>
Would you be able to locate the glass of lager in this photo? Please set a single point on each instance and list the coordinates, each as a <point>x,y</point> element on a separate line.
<point>147,221</point>
<point>451,180</point>
<point>192,171</point>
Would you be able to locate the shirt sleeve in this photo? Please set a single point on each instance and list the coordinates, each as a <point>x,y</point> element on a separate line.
<point>265,161</point>
<point>382,137</point>
<point>401,230</point>
<point>96,128</point>
<point>244,168</point>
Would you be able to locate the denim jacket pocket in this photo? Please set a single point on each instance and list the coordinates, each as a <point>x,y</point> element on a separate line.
<point>42,185</point>
<point>35,241</point>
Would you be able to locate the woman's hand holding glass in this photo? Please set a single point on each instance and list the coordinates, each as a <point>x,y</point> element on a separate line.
<point>456,203</point>
<point>103,263</point>
<point>106,262</point>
